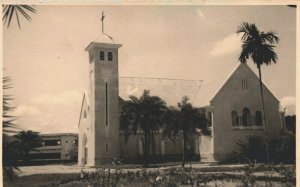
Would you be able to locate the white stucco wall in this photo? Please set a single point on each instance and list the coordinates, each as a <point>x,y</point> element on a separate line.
<point>231,97</point>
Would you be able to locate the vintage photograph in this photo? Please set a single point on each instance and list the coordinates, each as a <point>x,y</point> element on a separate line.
<point>149,95</point>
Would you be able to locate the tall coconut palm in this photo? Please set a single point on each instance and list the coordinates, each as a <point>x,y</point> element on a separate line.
<point>28,141</point>
<point>186,121</point>
<point>144,114</point>
<point>259,46</point>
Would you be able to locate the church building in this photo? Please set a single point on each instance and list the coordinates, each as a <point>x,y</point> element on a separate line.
<point>234,112</point>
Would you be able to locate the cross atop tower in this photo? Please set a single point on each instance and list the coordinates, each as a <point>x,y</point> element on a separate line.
<point>102,20</point>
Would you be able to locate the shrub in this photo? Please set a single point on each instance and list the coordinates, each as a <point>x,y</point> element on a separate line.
<point>283,150</point>
<point>254,149</point>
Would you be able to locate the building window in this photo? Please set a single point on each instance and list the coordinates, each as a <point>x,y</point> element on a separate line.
<point>106,147</point>
<point>234,118</point>
<point>92,76</point>
<point>84,114</point>
<point>106,104</point>
<point>141,150</point>
<point>52,142</point>
<point>258,118</point>
<point>209,120</point>
<point>110,56</point>
<point>246,118</point>
<point>101,55</point>
<point>244,85</point>
<point>163,147</point>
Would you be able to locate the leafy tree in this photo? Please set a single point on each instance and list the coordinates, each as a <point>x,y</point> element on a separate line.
<point>259,46</point>
<point>186,121</point>
<point>283,149</point>
<point>143,114</point>
<point>290,122</point>
<point>28,141</point>
<point>10,10</point>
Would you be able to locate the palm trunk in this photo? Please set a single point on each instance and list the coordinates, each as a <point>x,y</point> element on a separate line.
<point>184,148</point>
<point>264,114</point>
<point>146,148</point>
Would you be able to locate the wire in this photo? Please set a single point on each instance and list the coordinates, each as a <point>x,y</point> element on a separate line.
<point>160,78</point>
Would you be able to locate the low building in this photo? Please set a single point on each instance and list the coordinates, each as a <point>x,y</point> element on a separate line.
<point>58,146</point>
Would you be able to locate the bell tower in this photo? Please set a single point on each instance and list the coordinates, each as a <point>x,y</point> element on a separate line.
<point>104,98</point>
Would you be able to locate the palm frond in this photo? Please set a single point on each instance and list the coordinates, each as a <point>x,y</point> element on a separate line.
<point>7,119</point>
<point>10,10</point>
<point>257,44</point>
<point>269,37</point>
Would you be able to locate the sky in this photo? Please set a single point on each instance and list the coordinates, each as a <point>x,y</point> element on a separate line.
<point>48,65</point>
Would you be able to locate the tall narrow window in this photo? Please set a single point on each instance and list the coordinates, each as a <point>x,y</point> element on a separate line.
<point>258,118</point>
<point>209,120</point>
<point>101,55</point>
<point>92,76</point>
<point>141,150</point>
<point>244,85</point>
<point>163,147</point>
<point>84,114</point>
<point>110,56</point>
<point>106,104</point>
<point>234,118</point>
<point>246,118</point>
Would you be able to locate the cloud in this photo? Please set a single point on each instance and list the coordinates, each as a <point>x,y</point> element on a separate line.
<point>132,90</point>
<point>200,13</point>
<point>288,104</point>
<point>25,111</point>
<point>288,101</point>
<point>68,97</point>
<point>48,113</point>
<point>227,45</point>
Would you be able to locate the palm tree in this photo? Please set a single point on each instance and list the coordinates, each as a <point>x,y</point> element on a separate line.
<point>28,141</point>
<point>10,10</point>
<point>260,47</point>
<point>7,120</point>
<point>9,150</point>
<point>185,120</point>
<point>143,114</point>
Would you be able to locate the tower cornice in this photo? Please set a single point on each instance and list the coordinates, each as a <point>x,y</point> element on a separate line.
<point>102,45</point>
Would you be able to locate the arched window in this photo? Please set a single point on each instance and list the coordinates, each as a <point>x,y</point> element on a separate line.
<point>234,118</point>
<point>110,56</point>
<point>258,118</point>
<point>101,55</point>
<point>246,118</point>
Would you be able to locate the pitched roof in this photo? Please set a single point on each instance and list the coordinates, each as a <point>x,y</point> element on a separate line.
<point>200,92</point>
<point>85,99</point>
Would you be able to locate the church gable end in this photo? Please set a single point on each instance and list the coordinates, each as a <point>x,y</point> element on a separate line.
<point>237,112</point>
<point>243,81</point>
